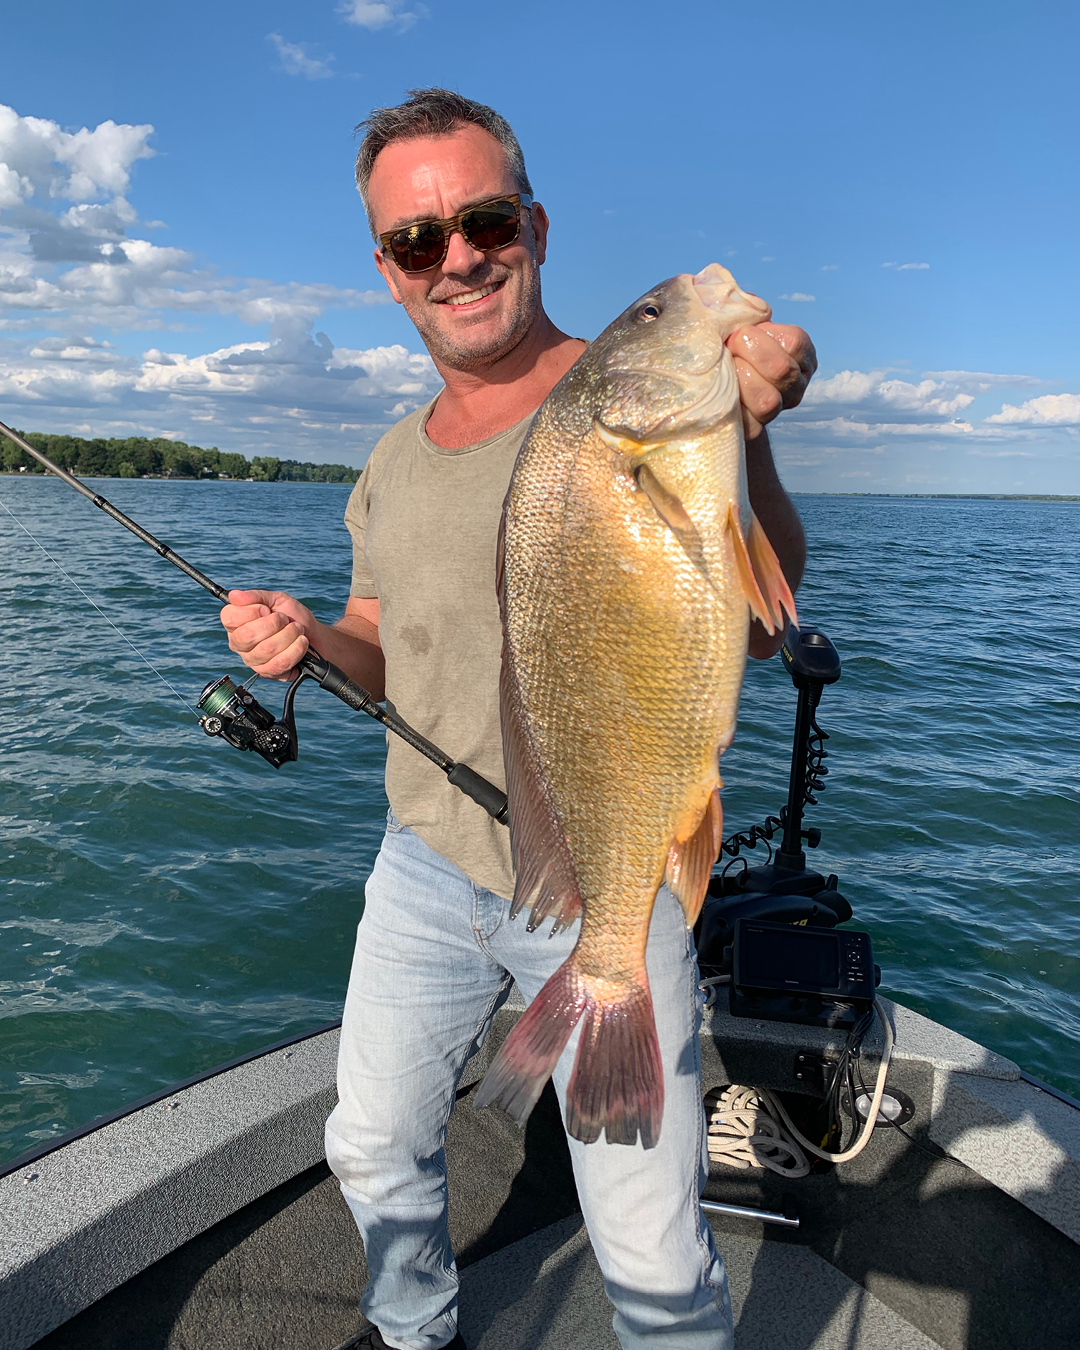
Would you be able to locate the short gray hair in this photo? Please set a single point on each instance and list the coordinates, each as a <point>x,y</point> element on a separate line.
<point>432,112</point>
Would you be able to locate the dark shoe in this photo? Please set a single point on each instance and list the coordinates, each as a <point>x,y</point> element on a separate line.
<point>369,1339</point>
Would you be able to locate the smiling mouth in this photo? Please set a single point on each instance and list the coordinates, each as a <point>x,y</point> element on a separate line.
<point>470,297</point>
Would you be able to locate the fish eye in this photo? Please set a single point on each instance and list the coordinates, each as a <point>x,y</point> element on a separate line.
<point>647,313</point>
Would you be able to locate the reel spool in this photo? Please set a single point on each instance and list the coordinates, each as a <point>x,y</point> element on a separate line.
<point>232,712</point>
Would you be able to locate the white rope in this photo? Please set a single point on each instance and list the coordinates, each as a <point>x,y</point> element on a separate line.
<point>745,1131</point>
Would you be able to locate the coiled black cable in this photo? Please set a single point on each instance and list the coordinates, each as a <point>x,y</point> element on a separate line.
<point>816,755</point>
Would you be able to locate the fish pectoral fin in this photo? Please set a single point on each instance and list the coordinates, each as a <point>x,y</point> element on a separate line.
<point>666,505</point>
<point>762,577</point>
<point>690,861</point>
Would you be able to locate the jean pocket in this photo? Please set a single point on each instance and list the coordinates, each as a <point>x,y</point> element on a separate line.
<point>393,825</point>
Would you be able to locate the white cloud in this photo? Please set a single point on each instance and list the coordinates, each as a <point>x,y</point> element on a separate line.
<point>830,267</point>
<point>376,14</point>
<point>38,158</point>
<point>49,182</point>
<point>296,396</point>
<point>847,427</point>
<point>981,381</point>
<point>908,267</point>
<point>854,388</point>
<point>297,60</point>
<point>798,295</point>
<point>1046,411</point>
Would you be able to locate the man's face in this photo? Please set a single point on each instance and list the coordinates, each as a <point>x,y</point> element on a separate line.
<point>474,307</point>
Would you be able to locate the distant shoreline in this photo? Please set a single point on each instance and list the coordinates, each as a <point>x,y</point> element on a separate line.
<point>952,496</point>
<point>179,478</point>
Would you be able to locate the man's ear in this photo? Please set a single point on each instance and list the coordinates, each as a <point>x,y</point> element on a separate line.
<point>540,223</point>
<point>387,275</point>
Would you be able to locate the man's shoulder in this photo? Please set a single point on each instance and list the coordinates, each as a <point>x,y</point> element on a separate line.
<point>402,433</point>
<point>400,437</point>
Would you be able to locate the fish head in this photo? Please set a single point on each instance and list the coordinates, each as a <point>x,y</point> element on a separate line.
<point>662,369</point>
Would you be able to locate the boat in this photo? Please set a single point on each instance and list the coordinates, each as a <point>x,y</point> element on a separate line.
<point>206,1216</point>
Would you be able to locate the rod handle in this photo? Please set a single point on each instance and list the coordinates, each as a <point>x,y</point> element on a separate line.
<point>485,794</point>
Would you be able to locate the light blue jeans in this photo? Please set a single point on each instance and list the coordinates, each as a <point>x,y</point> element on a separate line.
<point>435,955</point>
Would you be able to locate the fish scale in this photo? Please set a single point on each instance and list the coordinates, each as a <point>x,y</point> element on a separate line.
<point>627,560</point>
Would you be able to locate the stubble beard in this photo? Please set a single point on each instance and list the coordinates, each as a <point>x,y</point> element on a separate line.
<point>455,350</point>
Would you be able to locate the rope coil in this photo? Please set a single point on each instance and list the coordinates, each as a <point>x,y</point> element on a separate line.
<point>745,1132</point>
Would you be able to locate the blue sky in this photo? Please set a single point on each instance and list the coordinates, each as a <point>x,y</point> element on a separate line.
<point>182,251</point>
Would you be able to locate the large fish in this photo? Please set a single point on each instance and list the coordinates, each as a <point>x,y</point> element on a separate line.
<point>629,566</point>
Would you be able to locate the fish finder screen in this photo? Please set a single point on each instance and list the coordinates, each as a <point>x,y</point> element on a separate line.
<point>773,958</point>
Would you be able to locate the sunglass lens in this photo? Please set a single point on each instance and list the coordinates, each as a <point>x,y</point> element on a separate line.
<point>418,247</point>
<point>491,226</point>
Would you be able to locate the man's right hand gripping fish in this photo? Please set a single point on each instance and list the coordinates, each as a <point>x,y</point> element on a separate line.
<point>630,565</point>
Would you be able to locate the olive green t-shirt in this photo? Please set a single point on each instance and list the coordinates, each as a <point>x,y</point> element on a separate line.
<point>425,523</point>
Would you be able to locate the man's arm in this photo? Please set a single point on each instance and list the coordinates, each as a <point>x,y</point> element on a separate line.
<point>271,631</point>
<point>775,363</point>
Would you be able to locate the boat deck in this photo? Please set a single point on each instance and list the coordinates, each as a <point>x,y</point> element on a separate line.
<point>902,1249</point>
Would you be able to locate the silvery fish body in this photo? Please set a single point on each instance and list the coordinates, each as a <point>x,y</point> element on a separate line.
<point>629,566</point>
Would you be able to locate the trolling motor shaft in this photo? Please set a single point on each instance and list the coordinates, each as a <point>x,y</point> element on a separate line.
<point>232,712</point>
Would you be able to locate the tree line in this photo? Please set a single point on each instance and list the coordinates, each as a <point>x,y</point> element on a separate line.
<point>142,457</point>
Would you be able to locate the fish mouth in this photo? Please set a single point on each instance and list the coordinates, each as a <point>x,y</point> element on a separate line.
<point>718,291</point>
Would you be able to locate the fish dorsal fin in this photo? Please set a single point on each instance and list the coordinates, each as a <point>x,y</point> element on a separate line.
<point>762,577</point>
<point>690,861</point>
<point>546,882</point>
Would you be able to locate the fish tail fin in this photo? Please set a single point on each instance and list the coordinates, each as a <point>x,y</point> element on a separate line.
<point>618,1080</point>
<point>527,1057</point>
<point>617,1084</point>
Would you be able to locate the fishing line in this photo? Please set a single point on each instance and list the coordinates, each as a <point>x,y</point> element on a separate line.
<point>90,601</point>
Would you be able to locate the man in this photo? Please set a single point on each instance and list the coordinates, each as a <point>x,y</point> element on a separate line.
<point>460,244</point>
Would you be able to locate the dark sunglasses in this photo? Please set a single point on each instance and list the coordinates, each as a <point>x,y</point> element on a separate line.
<point>494,224</point>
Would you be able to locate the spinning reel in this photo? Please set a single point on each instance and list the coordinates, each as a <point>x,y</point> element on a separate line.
<point>232,712</point>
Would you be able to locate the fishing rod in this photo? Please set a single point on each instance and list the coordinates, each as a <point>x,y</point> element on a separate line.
<point>232,712</point>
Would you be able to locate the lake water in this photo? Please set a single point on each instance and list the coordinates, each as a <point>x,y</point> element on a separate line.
<point>167,903</point>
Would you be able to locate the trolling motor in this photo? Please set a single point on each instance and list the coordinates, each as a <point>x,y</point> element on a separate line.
<point>783,890</point>
<point>760,929</point>
<point>232,712</point>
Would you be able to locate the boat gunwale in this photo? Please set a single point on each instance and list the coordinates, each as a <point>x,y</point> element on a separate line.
<point>99,1122</point>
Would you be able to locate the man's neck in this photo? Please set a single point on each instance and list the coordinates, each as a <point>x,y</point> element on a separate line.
<point>480,403</point>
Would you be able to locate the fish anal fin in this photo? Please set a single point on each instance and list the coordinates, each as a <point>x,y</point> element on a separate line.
<point>691,860</point>
<point>770,575</point>
<point>763,581</point>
